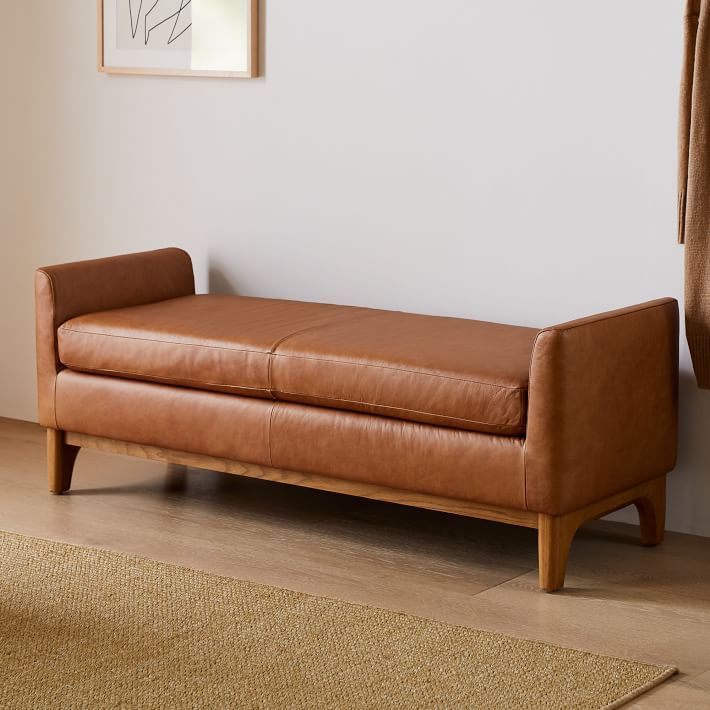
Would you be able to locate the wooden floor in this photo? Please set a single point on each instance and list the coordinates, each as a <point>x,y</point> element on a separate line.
<point>648,604</point>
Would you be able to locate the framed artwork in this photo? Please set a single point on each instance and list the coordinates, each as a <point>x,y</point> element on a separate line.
<point>179,37</point>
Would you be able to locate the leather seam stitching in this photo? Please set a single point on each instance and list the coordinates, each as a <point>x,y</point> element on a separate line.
<point>280,341</point>
<point>80,368</point>
<point>64,329</point>
<point>605,319</point>
<point>56,345</point>
<point>294,394</point>
<point>402,409</point>
<point>402,369</point>
<point>525,443</point>
<point>295,357</point>
<point>271,418</point>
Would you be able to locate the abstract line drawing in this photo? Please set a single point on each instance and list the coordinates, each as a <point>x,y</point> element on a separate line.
<point>216,38</point>
<point>158,14</point>
<point>134,26</point>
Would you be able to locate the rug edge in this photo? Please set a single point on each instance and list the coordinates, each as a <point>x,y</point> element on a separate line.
<point>666,673</point>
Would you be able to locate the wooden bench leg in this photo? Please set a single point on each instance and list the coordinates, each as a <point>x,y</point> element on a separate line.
<point>555,532</point>
<point>60,461</point>
<point>554,538</point>
<point>652,512</point>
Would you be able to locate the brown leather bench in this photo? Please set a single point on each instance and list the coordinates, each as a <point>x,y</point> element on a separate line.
<point>541,428</point>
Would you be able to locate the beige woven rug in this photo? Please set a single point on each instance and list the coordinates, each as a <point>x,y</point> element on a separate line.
<point>81,627</point>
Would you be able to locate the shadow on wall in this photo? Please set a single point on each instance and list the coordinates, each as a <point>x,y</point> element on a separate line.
<point>262,38</point>
<point>218,282</point>
<point>690,490</point>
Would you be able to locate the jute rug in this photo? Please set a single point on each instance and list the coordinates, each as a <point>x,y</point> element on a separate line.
<point>87,628</point>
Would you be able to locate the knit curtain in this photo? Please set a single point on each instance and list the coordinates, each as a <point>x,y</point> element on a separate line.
<point>694,184</point>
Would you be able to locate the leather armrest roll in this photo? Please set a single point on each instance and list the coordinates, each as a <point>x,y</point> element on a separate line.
<point>603,406</point>
<point>69,290</point>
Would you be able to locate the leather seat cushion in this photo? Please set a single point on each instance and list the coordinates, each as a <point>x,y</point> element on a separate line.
<point>356,447</point>
<point>448,371</point>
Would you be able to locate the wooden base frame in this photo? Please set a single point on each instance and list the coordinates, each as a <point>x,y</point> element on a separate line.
<point>555,532</point>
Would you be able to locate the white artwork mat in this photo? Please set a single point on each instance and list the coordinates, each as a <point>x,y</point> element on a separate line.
<point>211,35</point>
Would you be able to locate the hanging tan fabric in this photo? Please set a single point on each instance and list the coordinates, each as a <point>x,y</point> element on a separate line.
<point>694,184</point>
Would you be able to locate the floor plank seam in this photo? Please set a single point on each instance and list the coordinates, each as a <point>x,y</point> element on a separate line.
<point>505,581</point>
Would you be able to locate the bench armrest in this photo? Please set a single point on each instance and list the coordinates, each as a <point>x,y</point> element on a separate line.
<point>70,290</point>
<point>603,406</point>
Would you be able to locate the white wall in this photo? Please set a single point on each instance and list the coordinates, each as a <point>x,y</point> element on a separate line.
<point>16,253</point>
<point>505,161</point>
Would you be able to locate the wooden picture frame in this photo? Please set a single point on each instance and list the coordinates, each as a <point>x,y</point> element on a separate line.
<point>107,11</point>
